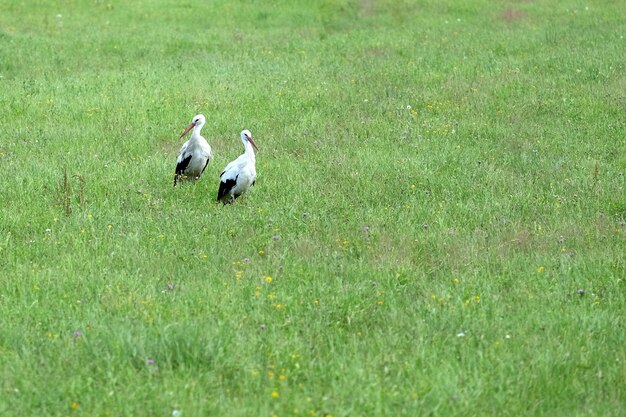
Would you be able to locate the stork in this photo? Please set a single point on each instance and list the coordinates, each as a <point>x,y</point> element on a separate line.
<point>240,174</point>
<point>195,154</point>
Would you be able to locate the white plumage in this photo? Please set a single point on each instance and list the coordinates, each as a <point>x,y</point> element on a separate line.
<point>240,174</point>
<point>195,154</point>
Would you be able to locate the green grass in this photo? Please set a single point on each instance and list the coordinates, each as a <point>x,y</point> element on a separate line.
<point>436,180</point>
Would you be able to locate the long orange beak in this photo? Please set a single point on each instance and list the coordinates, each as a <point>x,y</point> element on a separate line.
<point>187,129</point>
<point>252,142</point>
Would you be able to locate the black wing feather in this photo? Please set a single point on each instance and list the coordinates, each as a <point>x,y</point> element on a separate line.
<point>225,187</point>
<point>205,165</point>
<point>180,168</point>
<point>182,165</point>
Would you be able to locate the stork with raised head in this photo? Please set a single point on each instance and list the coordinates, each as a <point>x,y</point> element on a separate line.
<point>240,174</point>
<point>195,154</point>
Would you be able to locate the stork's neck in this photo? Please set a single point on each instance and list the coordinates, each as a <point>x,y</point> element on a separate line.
<point>249,150</point>
<point>196,131</point>
<point>195,134</point>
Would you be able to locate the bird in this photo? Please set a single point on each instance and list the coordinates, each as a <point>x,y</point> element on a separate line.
<point>240,174</point>
<point>195,154</point>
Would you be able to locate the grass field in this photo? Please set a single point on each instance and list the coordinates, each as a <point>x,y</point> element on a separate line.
<point>437,229</point>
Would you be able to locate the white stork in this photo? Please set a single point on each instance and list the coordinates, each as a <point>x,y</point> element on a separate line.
<point>195,154</point>
<point>240,174</point>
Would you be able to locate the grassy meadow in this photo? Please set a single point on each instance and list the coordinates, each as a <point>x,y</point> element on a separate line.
<point>437,228</point>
